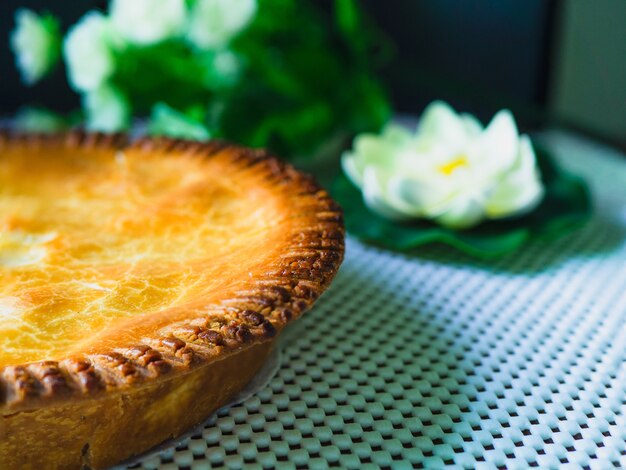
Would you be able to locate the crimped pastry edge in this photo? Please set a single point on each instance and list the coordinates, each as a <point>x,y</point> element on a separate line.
<point>290,286</point>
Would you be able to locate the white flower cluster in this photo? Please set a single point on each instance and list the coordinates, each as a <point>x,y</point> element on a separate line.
<point>90,46</point>
<point>88,52</point>
<point>451,170</point>
<point>35,40</point>
<point>213,23</point>
<point>147,22</point>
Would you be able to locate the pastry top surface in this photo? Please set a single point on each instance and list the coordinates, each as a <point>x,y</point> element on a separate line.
<point>121,263</point>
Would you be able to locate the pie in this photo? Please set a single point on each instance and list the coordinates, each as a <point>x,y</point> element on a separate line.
<point>142,284</point>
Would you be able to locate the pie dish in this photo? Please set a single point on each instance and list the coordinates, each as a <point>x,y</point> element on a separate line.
<point>142,284</point>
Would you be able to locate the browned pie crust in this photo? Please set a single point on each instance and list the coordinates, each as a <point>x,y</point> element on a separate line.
<point>205,358</point>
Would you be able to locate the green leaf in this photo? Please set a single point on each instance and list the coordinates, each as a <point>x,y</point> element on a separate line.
<point>347,14</point>
<point>168,71</point>
<point>372,109</point>
<point>170,122</point>
<point>305,82</point>
<point>566,206</point>
<point>348,19</point>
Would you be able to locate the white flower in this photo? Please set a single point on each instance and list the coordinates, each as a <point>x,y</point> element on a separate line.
<point>213,23</point>
<point>451,170</point>
<point>88,52</point>
<point>148,21</point>
<point>107,109</point>
<point>36,42</point>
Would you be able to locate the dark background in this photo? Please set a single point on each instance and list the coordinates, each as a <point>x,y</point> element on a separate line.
<point>480,56</point>
<point>53,91</point>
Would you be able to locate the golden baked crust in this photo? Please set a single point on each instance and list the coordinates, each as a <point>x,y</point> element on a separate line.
<point>98,433</point>
<point>236,242</point>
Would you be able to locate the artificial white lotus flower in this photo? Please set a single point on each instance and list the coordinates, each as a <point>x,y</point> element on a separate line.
<point>107,109</point>
<point>36,41</point>
<point>147,22</point>
<point>213,23</point>
<point>88,52</point>
<point>450,170</point>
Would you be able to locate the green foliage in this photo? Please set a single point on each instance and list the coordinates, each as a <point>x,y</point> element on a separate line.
<point>295,77</point>
<point>305,80</point>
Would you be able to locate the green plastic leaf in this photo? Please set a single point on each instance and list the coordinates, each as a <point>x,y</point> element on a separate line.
<point>167,71</point>
<point>347,13</point>
<point>566,206</point>
<point>348,19</point>
<point>170,122</point>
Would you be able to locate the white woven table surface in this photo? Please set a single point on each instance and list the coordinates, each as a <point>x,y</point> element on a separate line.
<point>440,360</point>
